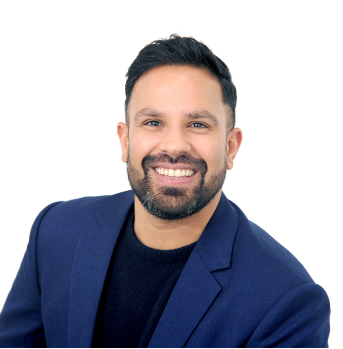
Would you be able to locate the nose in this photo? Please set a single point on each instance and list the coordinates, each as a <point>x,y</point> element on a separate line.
<point>175,142</point>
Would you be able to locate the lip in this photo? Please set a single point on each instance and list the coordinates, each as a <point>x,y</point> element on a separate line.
<point>169,181</point>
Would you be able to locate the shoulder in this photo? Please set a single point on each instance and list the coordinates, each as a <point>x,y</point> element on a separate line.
<point>264,264</point>
<point>57,228</point>
<point>265,252</point>
<point>82,211</point>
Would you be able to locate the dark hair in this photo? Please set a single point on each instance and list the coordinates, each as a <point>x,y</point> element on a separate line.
<point>181,51</point>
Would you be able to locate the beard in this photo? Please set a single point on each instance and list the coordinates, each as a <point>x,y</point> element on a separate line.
<point>168,202</point>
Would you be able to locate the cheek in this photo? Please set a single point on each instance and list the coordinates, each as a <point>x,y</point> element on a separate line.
<point>212,152</point>
<point>139,147</point>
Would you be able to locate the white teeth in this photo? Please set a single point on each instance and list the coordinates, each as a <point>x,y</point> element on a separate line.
<point>174,173</point>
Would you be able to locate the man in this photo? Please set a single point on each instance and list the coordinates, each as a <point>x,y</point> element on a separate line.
<point>173,262</point>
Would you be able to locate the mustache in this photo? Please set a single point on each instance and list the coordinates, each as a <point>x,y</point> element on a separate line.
<point>199,164</point>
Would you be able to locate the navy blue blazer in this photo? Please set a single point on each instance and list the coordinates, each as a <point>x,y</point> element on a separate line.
<point>239,287</point>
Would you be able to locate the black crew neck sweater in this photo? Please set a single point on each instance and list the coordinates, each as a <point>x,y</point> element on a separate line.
<point>138,285</point>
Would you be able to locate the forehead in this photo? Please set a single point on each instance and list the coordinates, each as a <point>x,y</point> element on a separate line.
<point>175,89</point>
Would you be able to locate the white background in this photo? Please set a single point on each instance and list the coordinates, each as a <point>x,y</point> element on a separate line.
<point>62,76</point>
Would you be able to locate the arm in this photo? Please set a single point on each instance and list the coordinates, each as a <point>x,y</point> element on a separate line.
<point>21,322</point>
<point>299,319</point>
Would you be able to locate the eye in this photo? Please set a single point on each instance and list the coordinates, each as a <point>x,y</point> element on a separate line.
<point>198,125</point>
<point>153,123</point>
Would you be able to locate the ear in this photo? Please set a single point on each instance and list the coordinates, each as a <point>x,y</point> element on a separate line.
<point>234,141</point>
<point>123,134</point>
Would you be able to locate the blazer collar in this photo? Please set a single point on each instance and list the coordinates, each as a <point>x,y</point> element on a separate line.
<point>216,242</point>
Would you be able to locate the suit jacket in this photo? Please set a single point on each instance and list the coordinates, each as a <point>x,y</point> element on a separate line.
<point>239,287</point>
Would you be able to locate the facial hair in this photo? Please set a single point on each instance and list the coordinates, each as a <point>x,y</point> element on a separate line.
<point>168,202</point>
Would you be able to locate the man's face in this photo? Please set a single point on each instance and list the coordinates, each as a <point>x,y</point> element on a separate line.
<point>176,148</point>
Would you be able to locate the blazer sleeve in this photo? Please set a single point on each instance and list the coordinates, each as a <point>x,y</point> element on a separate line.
<point>21,322</point>
<point>300,319</point>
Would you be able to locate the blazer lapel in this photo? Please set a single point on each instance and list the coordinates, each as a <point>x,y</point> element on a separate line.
<point>192,296</point>
<point>92,258</point>
<point>197,288</point>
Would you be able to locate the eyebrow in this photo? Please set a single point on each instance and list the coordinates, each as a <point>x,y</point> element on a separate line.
<point>202,114</point>
<point>199,114</point>
<point>148,112</point>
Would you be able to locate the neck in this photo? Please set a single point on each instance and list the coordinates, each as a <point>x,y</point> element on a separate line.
<point>164,234</point>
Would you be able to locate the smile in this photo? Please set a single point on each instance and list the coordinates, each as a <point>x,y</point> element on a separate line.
<point>179,173</point>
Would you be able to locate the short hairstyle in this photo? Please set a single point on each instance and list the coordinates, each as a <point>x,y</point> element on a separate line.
<point>186,51</point>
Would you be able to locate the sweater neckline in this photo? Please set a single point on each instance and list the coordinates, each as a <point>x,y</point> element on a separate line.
<point>167,256</point>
